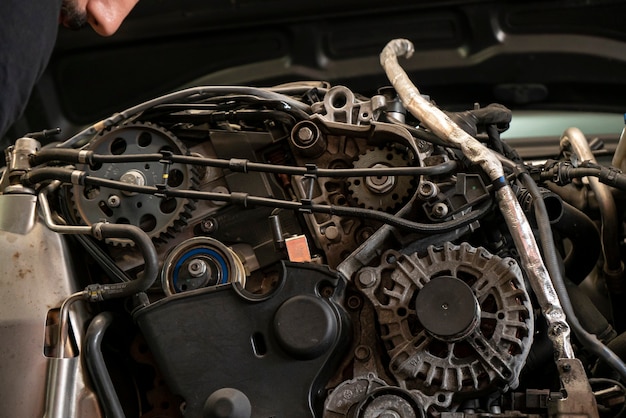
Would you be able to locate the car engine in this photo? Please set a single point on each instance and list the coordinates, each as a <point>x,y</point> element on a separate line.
<point>306,251</point>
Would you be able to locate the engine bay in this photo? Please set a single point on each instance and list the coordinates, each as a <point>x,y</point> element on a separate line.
<point>308,251</point>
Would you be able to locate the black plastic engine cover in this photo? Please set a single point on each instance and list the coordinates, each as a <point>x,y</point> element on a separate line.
<point>278,349</point>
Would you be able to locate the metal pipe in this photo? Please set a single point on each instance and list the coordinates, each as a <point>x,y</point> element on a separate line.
<point>100,230</point>
<point>613,267</point>
<point>64,318</point>
<point>433,118</point>
<point>574,139</point>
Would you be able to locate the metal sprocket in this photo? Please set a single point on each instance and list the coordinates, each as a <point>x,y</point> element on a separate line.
<point>385,193</point>
<point>159,217</point>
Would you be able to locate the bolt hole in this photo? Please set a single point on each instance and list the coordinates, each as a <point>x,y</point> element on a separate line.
<point>391,259</point>
<point>168,205</point>
<point>144,139</point>
<point>339,101</point>
<point>118,146</point>
<point>175,178</point>
<point>147,222</point>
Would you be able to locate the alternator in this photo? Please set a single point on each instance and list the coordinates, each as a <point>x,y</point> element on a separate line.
<point>454,320</point>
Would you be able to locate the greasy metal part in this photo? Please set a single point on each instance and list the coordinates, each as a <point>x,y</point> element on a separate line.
<point>340,105</point>
<point>442,351</point>
<point>20,155</point>
<point>18,221</point>
<point>448,131</point>
<point>32,284</point>
<point>307,139</point>
<point>338,236</point>
<point>574,139</point>
<point>389,402</point>
<point>578,399</point>
<point>350,393</point>
<point>17,159</point>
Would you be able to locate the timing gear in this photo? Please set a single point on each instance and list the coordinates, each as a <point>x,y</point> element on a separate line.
<point>456,319</point>
<point>384,193</point>
<point>159,217</point>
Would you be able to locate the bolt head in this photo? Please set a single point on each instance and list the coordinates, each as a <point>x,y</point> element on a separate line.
<point>305,134</point>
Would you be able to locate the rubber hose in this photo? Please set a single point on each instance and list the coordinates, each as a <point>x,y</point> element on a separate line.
<point>97,368</point>
<point>590,342</point>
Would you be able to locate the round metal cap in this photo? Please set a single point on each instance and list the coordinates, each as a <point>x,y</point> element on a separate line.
<point>447,308</point>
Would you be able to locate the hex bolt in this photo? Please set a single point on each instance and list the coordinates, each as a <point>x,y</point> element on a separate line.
<point>134,177</point>
<point>305,135</point>
<point>197,268</point>
<point>114,201</point>
<point>380,184</point>
<point>367,278</point>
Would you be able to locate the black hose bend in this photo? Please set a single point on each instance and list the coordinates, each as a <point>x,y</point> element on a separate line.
<point>586,244</point>
<point>145,246</point>
<point>97,368</point>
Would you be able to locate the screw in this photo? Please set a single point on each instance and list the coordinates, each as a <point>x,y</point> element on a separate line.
<point>440,210</point>
<point>427,190</point>
<point>114,201</point>
<point>208,225</point>
<point>566,367</point>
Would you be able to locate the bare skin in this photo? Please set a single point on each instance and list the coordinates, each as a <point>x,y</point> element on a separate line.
<point>104,16</point>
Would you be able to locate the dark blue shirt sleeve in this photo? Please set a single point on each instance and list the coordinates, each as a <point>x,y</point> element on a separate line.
<point>28,30</point>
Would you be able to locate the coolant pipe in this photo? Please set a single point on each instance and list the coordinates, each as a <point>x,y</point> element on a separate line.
<point>97,368</point>
<point>574,139</point>
<point>435,120</point>
<point>572,224</point>
<point>613,268</point>
<point>585,238</point>
<point>101,231</point>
